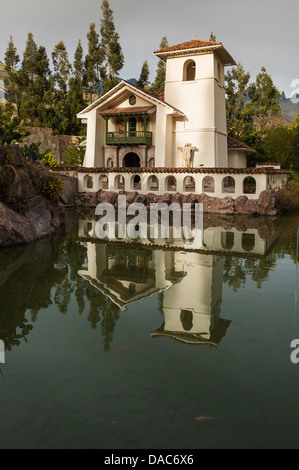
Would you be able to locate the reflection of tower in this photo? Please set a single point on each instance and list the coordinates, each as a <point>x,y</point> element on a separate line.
<point>126,274</point>
<point>192,306</point>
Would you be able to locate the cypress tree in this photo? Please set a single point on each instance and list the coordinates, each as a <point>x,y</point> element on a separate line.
<point>12,80</point>
<point>143,79</point>
<point>112,51</point>
<point>159,82</point>
<point>62,66</point>
<point>78,65</point>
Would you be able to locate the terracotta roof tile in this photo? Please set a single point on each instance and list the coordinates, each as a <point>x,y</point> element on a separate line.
<point>194,44</point>
<point>228,171</point>
<point>236,144</point>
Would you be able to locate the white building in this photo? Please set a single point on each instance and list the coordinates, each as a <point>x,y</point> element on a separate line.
<point>182,128</point>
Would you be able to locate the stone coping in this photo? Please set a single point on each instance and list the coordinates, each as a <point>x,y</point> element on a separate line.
<point>230,171</point>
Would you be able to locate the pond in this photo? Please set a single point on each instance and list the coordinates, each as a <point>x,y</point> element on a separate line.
<point>119,345</point>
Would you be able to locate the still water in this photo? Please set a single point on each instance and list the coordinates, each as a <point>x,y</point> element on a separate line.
<point>129,345</point>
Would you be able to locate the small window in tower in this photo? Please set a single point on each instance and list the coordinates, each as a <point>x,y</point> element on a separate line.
<point>189,71</point>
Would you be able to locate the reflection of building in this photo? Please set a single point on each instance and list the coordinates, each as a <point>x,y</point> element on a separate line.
<point>127,275</point>
<point>189,281</point>
<point>192,307</point>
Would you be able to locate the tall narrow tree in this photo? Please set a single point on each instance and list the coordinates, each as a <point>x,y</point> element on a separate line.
<point>143,79</point>
<point>159,82</point>
<point>11,82</point>
<point>62,66</point>
<point>78,65</point>
<point>112,51</point>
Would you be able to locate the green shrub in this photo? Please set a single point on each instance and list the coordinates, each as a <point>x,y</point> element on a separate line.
<point>50,186</point>
<point>288,197</point>
<point>49,160</point>
<point>74,156</point>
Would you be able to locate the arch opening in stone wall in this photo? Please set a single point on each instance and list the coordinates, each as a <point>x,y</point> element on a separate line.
<point>131,160</point>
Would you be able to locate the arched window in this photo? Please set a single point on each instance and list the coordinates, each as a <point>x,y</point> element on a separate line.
<point>186,319</point>
<point>119,182</point>
<point>249,185</point>
<point>88,182</point>
<point>227,240</point>
<point>170,183</point>
<point>151,162</point>
<point>110,163</point>
<point>189,184</point>
<point>248,241</point>
<point>135,182</point>
<point>103,182</point>
<point>152,183</point>
<point>228,184</point>
<point>208,184</point>
<point>189,71</point>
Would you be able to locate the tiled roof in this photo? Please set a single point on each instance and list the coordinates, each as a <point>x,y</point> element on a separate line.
<point>122,111</point>
<point>230,171</point>
<point>194,44</point>
<point>236,144</point>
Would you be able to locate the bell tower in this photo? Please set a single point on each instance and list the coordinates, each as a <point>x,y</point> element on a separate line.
<point>195,85</point>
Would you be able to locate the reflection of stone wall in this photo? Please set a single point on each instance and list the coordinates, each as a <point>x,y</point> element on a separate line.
<point>56,143</point>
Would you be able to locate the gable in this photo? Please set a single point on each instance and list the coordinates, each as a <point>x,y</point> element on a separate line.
<point>119,97</point>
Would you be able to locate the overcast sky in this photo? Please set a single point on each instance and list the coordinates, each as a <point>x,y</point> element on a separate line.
<point>256,32</point>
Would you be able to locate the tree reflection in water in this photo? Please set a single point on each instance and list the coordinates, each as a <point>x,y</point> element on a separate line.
<point>45,272</point>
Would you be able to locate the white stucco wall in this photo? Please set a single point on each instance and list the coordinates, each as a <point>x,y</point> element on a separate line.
<point>237,159</point>
<point>262,180</point>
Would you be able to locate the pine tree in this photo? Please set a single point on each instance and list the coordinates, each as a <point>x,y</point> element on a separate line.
<point>159,82</point>
<point>62,69</point>
<point>78,65</point>
<point>238,110</point>
<point>212,37</point>
<point>93,63</point>
<point>264,101</point>
<point>62,66</point>
<point>11,82</point>
<point>112,51</point>
<point>143,79</point>
<point>43,87</point>
<point>27,76</point>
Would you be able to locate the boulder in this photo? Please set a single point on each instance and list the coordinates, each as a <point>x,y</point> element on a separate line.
<point>267,204</point>
<point>14,228</point>
<point>243,205</point>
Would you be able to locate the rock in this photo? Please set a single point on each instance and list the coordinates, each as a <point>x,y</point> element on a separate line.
<point>38,214</point>
<point>243,205</point>
<point>14,228</point>
<point>21,187</point>
<point>266,204</point>
<point>3,153</point>
<point>14,156</point>
<point>25,215</point>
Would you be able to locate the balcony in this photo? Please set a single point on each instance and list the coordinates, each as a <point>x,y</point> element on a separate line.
<point>129,138</point>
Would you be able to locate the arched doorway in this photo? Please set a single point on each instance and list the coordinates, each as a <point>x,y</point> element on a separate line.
<point>131,160</point>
